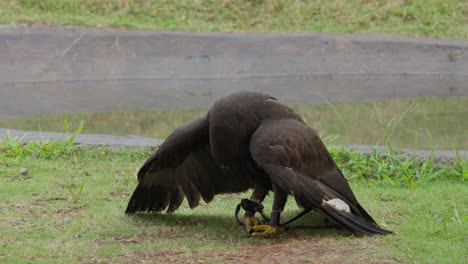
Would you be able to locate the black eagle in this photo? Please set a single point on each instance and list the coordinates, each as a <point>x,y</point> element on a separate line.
<point>249,140</point>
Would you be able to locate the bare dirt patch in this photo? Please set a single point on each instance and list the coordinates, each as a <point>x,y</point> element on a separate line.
<point>162,256</point>
<point>147,256</point>
<point>289,248</point>
<point>298,249</point>
<point>139,238</point>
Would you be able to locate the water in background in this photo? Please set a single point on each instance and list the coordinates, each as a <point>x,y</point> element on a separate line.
<point>422,123</point>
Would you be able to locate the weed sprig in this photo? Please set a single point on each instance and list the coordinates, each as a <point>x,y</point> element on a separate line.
<point>45,149</point>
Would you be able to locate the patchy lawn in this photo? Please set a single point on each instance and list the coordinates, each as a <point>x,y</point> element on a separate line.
<point>69,207</point>
<point>434,18</point>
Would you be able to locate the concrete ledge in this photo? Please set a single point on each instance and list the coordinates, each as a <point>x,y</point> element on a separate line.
<point>116,142</point>
<point>55,70</point>
<point>84,139</point>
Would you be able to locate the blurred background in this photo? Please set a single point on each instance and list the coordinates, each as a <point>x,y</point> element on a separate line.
<point>360,72</point>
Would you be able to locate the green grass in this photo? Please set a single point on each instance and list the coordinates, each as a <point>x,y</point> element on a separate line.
<point>434,18</point>
<point>69,208</point>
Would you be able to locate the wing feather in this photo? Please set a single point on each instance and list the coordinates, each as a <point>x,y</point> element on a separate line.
<point>295,158</point>
<point>181,167</point>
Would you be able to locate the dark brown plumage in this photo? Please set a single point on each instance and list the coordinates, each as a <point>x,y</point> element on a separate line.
<point>248,140</point>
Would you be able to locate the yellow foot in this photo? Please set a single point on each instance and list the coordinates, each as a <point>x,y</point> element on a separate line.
<point>266,230</point>
<point>250,222</point>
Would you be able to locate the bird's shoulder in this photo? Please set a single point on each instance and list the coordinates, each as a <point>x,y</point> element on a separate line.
<point>290,142</point>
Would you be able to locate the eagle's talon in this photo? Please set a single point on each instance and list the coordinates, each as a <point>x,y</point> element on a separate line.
<point>250,222</point>
<point>266,230</point>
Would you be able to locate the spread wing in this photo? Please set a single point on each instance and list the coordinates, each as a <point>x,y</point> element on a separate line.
<point>297,161</point>
<point>181,167</point>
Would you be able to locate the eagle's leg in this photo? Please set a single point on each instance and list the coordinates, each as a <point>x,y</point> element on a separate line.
<point>273,227</point>
<point>258,195</point>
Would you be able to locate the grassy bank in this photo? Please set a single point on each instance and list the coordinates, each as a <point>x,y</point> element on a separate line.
<point>69,208</point>
<point>434,18</point>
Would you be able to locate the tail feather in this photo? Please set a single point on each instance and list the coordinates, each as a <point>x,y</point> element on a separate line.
<point>352,222</point>
<point>365,214</point>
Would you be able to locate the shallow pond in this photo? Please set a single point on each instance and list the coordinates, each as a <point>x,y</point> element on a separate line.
<point>422,123</point>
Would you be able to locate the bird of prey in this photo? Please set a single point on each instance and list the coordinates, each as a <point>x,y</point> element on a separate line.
<point>249,140</point>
